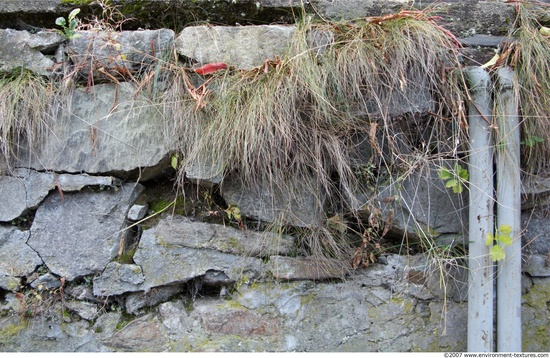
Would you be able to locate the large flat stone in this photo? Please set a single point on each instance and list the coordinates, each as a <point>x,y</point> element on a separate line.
<point>23,191</point>
<point>298,207</point>
<point>244,47</point>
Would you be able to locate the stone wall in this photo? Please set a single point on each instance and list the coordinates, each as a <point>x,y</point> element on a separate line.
<point>91,259</point>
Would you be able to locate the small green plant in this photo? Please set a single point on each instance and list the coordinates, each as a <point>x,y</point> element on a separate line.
<point>175,161</point>
<point>498,241</point>
<point>69,28</point>
<point>455,178</point>
<point>233,212</point>
<point>531,141</point>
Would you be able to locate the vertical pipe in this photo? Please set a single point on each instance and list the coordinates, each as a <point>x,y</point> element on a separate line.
<point>508,213</point>
<point>480,277</point>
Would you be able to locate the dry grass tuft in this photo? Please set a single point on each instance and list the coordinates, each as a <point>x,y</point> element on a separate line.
<point>26,101</point>
<point>529,55</point>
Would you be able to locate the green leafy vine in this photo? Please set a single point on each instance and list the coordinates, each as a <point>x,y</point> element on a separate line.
<point>498,241</point>
<point>454,178</point>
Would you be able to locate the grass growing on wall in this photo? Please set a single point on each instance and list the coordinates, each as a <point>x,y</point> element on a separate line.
<point>25,103</point>
<point>297,119</point>
<point>529,55</point>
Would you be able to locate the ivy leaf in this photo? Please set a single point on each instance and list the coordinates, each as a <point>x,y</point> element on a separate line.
<point>233,212</point>
<point>463,174</point>
<point>505,240</point>
<point>175,162</point>
<point>505,229</point>
<point>451,183</point>
<point>497,253</point>
<point>73,14</point>
<point>444,174</point>
<point>457,189</point>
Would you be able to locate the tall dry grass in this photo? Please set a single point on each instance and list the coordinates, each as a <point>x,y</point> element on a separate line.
<point>297,119</point>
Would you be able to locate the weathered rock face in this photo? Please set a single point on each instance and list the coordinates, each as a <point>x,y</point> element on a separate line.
<point>419,206</point>
<point>108,130</point>
<point>88,271</point>
<point>356,315</point>
<point>21,49</point>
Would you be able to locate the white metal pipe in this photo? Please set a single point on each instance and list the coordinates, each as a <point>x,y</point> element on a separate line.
<point>481,220</point>
<point>508,213</point>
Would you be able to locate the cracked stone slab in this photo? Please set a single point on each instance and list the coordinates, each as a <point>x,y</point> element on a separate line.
<point>79,234</point>
<point>119,278</point>
<point>26,189</point>
<point>165,261</point>
<point>182,232</point>
<point>17,259</point>
<point>22,192</point>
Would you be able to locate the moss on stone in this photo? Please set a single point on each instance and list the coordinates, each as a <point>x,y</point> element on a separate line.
<point>9,332</point>
<point>124,320</point>
<point>535,331</point>
<point>127,256</point>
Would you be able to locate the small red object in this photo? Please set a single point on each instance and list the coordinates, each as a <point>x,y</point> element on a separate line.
<point>211,68</point>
